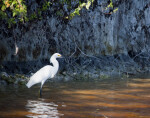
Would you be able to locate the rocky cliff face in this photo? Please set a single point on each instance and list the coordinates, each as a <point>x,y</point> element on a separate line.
<point>95,32</point>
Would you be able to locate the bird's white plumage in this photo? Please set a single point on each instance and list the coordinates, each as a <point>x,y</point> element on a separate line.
<point>41,75</point>
<point>46,72</point>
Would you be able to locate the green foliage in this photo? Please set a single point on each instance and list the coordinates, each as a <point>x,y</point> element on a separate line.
<point>45,6</point>
<point>81,5</point>
<point>38,14</point>
<point>15,11</point>
<point>33,16</point>
<point>115,10</point>
<point>3,15</point>
<point>111,6</point>
<point>11,21</point>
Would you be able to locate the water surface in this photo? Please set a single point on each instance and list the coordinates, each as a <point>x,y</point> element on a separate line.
<point>113,98</point>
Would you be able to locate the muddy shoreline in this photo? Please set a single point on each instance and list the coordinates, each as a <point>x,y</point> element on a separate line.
<point>82,68</point>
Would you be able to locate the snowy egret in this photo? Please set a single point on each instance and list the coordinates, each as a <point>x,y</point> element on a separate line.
<point>44,73</point>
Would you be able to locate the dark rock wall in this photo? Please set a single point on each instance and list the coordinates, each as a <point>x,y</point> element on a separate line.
<point>94,32</point>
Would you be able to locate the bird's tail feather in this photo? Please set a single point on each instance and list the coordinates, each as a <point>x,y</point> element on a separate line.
<point>28,84</point>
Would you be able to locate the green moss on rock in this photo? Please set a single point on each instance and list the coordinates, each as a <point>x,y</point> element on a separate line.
<point>8,79</point>
<point>14,79</point>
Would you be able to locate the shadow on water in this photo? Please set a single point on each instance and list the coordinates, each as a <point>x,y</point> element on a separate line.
<point>113,98</point>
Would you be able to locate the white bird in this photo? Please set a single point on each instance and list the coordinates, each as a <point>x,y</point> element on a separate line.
<point>44,73</point>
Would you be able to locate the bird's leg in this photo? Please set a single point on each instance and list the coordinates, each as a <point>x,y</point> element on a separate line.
<point>41,92</point>
<point>41,88</point>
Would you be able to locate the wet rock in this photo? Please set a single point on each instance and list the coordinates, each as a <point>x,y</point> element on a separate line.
<point>8,78</point>
<point>3,82</point>
<point>13,79</point>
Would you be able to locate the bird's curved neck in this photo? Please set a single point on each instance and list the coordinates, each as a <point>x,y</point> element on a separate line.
<point>54,62</point>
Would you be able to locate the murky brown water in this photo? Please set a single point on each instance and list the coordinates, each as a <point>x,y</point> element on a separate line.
<point>116,98</point>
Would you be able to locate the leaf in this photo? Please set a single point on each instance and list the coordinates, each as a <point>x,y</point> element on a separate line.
<point>88,4</point>
<point>3,8</point>
<point>115,10</point>
<point>3,15</point>
<point>66,17</point>
<point>14,13</point>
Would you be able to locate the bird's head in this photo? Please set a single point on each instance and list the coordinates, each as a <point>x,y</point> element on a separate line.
<point>54,56</point>
<point>57,55</point>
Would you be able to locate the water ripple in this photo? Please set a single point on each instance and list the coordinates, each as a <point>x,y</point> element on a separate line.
<point>41,109</point>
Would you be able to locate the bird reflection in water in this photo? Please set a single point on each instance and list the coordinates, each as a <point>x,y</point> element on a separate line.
<point>41,109</point>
